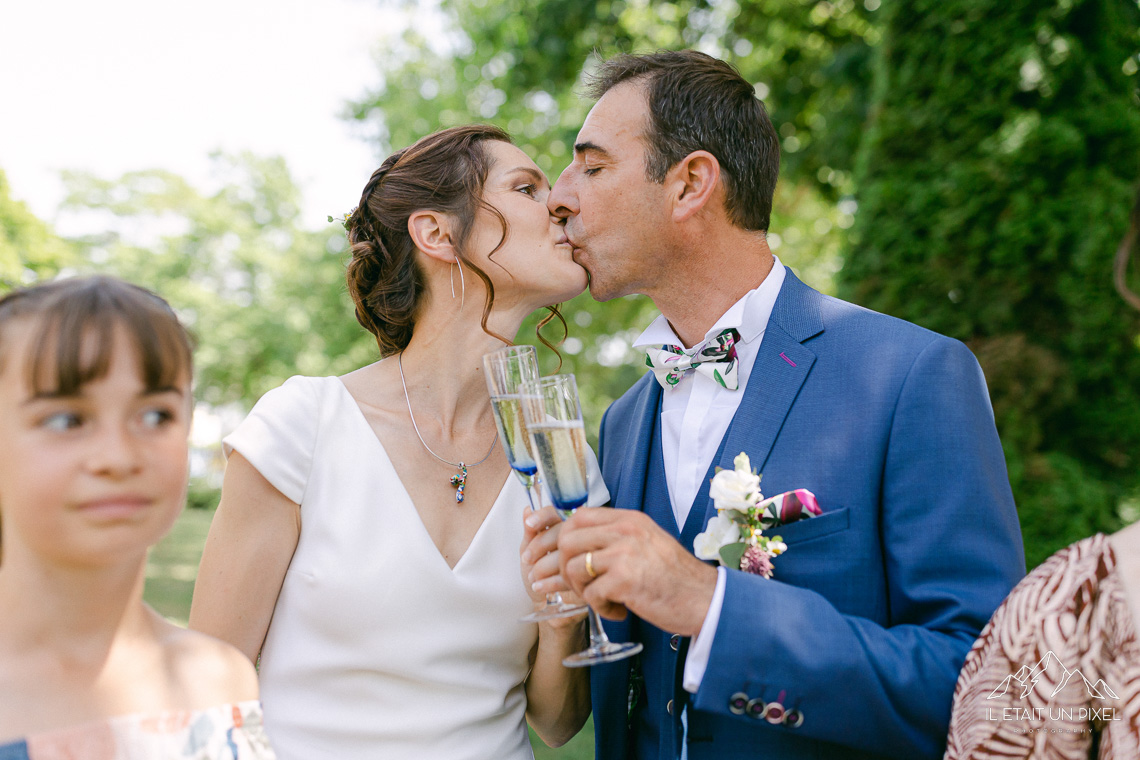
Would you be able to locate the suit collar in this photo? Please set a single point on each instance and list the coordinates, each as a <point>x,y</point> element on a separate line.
<point>643,421</point>
<point>798,309</point>
<point>749,315</point>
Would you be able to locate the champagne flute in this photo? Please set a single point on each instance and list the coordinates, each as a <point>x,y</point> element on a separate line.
<point>506,369</point>
<point>554,422</point>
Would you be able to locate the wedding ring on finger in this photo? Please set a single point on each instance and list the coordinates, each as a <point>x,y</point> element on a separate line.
<point>590,565</point>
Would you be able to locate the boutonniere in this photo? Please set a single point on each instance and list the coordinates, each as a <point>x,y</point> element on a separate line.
<point>736,535</point>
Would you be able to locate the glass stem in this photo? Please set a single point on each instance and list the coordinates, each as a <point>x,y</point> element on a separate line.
<point>598,637</point>
<point>530,481</point>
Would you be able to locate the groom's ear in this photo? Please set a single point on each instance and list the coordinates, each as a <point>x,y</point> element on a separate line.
<point>431,233</point>
<point>693,182</point>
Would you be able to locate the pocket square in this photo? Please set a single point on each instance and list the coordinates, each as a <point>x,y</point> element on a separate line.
<point>788,507</point>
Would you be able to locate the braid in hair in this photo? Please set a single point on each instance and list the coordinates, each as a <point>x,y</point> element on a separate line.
<point>382,275</point>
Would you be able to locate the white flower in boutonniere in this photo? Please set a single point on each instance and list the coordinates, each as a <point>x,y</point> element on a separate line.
<point>719,532</point>
<point>736,535</point>
<point>737,489</point>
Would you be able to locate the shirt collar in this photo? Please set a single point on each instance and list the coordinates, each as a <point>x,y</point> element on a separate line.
<point>749,315</point>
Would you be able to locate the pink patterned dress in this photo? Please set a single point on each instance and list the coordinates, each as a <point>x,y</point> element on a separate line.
<point>225,732</point>
<point>1056,672</point>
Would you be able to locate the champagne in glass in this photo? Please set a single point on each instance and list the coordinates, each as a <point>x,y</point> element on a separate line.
<point>561,448</point>
<point>554,420</point>
<point>506,370</point>
<point>512,434</point>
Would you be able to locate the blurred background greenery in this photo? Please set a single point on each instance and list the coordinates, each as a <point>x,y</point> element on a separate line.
<point>969,165</point>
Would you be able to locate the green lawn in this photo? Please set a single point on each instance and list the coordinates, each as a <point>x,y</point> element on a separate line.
<point>581,747</point>
<point>173,564</point>
<point>170,584</point>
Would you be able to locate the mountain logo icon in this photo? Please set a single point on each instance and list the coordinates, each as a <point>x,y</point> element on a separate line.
<point>1052,671</point>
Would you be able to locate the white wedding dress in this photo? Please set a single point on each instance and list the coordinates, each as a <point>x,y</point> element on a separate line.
<point>378,649</point>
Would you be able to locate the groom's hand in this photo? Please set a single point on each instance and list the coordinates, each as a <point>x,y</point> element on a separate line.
<point>637,566</point>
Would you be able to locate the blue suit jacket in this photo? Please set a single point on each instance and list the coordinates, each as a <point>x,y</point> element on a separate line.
<point>875,604</point>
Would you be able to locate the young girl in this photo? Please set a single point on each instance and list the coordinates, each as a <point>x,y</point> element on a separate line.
<point>94,419</point>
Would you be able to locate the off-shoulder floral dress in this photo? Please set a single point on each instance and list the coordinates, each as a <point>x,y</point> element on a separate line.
<point>225,732</point>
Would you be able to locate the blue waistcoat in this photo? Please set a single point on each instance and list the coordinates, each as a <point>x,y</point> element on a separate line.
<point>661,663</point>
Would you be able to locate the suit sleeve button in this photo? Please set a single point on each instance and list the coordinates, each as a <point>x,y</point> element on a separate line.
<point>775,713</point>
<point>675,641</point>
<point>738,703</point>
<point>755,708</point>
<point>669,707</point>
<point>793,719</point>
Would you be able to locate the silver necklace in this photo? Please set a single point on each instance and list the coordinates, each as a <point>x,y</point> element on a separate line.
<point>459,480</point>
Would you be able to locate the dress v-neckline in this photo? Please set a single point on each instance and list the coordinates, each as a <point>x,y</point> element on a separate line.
<point>407,496</point>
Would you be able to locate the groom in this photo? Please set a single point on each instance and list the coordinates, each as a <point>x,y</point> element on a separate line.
<point>853,648</point>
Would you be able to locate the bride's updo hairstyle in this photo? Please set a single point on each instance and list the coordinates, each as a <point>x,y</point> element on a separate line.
<point>444,172</point>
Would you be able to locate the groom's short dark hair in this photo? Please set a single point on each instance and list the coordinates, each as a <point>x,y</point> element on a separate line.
<point>697,102</point>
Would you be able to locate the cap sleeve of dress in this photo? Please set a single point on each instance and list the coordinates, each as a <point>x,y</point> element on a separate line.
<point>279,435</point>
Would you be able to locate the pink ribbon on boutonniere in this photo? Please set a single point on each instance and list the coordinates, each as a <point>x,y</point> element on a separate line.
<point>735,535</point>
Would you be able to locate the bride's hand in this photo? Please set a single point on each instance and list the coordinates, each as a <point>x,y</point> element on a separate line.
<point>539,551</point>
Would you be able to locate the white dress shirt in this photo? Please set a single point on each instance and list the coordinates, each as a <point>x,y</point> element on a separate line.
<point>695,414</point>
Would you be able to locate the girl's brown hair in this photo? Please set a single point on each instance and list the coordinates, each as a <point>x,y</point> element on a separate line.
<point>444,172</point>
<point>66,312</point>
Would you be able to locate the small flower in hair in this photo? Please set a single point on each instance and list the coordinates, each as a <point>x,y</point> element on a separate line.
<point>344,219</point>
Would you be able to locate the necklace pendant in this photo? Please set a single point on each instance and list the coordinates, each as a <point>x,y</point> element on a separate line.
<point>460,482</point>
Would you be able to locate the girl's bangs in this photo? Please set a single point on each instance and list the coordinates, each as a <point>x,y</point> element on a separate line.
<point>75,338</point>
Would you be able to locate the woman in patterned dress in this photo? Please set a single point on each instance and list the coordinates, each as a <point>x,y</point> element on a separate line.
<point>94,420</point>
<point>1056,672</point>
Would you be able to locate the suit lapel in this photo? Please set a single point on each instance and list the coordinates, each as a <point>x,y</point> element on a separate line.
<point>643,421</point>
<point>631,488</point>
<point>781,368</point>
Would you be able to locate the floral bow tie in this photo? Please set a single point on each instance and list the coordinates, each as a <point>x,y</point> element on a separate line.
<point>715,359</point>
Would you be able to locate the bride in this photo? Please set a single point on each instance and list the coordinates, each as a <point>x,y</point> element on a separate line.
<point>383,608</point>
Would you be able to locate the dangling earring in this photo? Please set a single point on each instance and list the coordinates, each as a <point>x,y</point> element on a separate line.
<point>462,284</point>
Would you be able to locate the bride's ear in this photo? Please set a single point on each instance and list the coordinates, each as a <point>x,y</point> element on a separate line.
<point>431,232</point>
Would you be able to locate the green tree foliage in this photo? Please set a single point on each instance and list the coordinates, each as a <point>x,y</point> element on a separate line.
<point>994,187</point>
<point>520,64</point>
<point>29,250</point>
<point>264,298</point>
